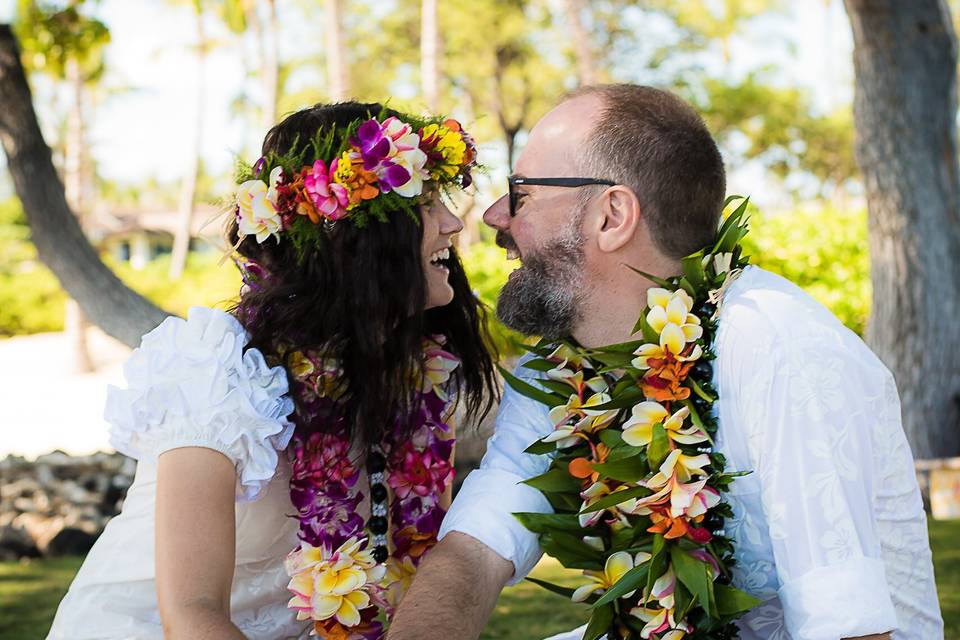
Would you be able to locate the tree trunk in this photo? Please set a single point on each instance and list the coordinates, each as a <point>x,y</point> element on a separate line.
<point>429,58</point>
<point>61,245</point>
<point>586,68</point>
<point>905,106</point>
<point>188,188</point>
<point>74,322</point>
<point>337,75</point>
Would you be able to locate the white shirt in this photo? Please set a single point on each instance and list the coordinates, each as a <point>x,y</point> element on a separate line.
<point>829,527</point>
<point>191,384</point>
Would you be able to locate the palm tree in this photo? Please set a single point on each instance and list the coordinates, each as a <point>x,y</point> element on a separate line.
<point>188,188</point>
<point>68,46</point>
<point>338,77</point>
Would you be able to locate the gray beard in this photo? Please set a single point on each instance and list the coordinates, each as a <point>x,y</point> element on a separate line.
<point>542,297</point>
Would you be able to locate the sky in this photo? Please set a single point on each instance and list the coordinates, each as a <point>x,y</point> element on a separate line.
<point>142,124</point>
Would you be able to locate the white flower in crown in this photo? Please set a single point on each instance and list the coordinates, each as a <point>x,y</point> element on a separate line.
<point>257,207</point>
<point>406,152</point>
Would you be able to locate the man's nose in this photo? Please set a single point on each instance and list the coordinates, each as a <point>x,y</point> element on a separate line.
<point>497,215</point>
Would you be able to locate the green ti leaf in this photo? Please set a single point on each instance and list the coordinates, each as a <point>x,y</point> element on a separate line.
<point>695,576</point>
<point>599,623</point>
<point>659,447</point>
<point>547,522</point>
<point>530,391</point>
<point>616,498</point>
<point>633,579</point>
<point>567,592</point>
<point>628,469</point>
<point>557,480</point>
<point>660,282</point>
<point>732,602</point>
<point>540,448</point>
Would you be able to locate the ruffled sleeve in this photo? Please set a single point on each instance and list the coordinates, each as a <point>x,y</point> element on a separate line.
<point>190,384</point>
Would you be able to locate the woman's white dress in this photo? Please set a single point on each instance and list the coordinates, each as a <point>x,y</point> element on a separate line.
<point>190,384</point>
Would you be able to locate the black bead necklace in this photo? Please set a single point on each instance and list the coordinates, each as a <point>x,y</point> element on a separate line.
<point>377,524</point>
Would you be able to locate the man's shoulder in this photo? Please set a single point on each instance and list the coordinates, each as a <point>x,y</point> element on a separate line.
<point>764,303</point>
<point>769,313</point>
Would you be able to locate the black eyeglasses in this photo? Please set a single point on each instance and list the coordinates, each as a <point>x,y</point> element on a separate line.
<point>519,181</point>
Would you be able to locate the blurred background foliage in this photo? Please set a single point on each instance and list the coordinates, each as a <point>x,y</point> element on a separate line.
<point>497,64</point>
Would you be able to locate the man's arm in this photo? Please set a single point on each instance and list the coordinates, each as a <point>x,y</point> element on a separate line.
<point>456,588</point>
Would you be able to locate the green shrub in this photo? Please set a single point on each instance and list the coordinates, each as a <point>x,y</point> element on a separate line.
<point>824,252</point>
<point>487,268</point>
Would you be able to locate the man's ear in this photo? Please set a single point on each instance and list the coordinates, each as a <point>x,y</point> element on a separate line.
<point>619,218</point>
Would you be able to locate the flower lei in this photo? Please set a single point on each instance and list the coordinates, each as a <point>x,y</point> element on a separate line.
<point>634,482</point>
<point>371,168</point>
<point>343,579</point>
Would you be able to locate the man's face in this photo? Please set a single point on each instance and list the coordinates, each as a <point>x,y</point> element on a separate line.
<point>542,296</point>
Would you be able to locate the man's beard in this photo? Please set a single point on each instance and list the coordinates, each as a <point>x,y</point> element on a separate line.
<point>542,297</point>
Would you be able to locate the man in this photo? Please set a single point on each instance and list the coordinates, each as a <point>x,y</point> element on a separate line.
<point>829,528</point>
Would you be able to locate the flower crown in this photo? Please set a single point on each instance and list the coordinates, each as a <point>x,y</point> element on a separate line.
<point>374,167</point>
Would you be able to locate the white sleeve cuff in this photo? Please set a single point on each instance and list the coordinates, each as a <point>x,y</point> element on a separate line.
<point>483,510</point>
<point>844,600</point>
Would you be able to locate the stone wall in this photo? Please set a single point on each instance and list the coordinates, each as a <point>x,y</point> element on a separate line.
<point>58,504</point>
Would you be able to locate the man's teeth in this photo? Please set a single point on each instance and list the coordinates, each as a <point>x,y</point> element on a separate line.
<point>442,254</point>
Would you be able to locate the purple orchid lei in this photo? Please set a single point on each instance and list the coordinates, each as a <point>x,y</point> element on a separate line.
<point>336,579</point>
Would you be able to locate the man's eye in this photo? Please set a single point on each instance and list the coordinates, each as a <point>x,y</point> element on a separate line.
<point>518,202</point>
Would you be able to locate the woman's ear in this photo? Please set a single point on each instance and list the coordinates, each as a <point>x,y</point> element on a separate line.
<point>619,218</point>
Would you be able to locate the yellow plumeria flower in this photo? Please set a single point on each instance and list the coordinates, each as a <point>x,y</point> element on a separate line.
<point>616,566</point>
<point>670,317</point>
<point>398,577</point>
<point>638,429</point>
<point>328,584</point>
<point>681,465</point>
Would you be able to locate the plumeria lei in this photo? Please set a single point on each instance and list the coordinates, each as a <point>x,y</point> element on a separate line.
<point>336,578</point>
<point>369,169</point>
<point>634,481</point>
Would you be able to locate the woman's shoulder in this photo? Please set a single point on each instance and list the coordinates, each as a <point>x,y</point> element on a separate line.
<point>193,382</point>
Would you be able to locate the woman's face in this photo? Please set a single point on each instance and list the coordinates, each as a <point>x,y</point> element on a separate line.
<point>439,226</point>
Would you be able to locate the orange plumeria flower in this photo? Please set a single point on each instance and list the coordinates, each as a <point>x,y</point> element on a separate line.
<point>662,382</point>
<point>583,468</point>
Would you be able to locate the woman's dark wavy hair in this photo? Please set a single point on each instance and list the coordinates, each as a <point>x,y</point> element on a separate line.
<point>360,294</point>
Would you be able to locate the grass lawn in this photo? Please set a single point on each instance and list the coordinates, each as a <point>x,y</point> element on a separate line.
<point>30,591</point>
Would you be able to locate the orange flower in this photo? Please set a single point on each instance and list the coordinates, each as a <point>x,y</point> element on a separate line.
<point>662,381</point>
<point>669,526</point>
<point>679,526</point>
<point>583,468</point>
<point>414,543</point>
<point>304,204</point>
<point>330,629</point>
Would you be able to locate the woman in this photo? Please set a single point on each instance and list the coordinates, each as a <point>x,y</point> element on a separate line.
<point>357,322</point>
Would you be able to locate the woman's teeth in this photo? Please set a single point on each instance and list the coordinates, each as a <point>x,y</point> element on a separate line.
<point>437,256</point>
<point>513,254</point>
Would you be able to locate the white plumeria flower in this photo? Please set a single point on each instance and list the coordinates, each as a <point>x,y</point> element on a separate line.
<point>721,262</point>
<point>592,494</point>
<point>588,419</point>
<point>257,212</point>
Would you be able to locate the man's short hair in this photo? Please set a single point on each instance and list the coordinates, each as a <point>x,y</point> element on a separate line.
<point>654,143</point>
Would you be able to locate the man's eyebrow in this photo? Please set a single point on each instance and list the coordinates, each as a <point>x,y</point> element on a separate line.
<point>517,175</point>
